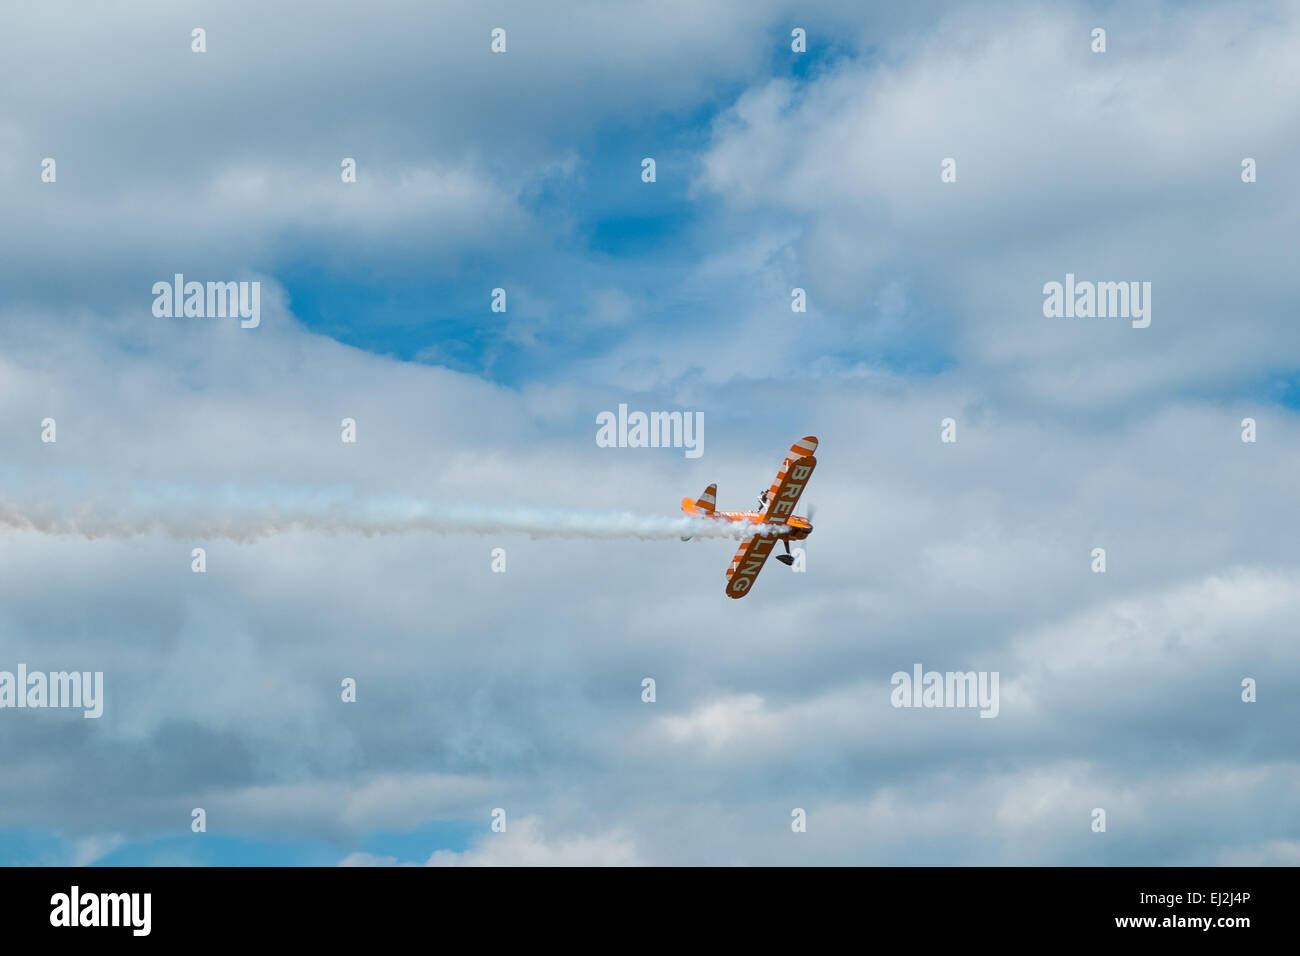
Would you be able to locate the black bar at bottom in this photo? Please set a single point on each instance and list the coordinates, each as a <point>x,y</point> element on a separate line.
<point>658,907</point>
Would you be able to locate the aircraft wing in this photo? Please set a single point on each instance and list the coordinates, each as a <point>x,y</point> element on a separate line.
<point>805,447</point>
<point>782,496</point>
<point>749,560</point>
<point>789,485</point>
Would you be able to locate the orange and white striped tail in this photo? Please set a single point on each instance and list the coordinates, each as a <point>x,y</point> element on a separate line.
<point>705,504</point>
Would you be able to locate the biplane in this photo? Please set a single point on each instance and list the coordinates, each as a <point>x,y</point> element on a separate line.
<point>775,519</point>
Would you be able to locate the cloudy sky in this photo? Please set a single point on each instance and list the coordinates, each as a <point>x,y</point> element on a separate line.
<point>775,170</point>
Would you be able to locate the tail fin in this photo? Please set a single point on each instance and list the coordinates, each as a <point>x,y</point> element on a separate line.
<point>704,504</point>
<point>708,501</point>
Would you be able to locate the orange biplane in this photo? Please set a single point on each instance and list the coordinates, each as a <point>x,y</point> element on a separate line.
<point>775,515</point>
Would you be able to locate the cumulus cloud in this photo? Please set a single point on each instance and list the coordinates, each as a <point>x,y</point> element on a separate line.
<point>223,689</point>
<point>92,849</point>
<point>525,843</point>
<point>1067,161</point>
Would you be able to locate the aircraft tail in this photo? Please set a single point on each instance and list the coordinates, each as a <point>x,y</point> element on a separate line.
<point>703,506</point>
<point>708,501</point>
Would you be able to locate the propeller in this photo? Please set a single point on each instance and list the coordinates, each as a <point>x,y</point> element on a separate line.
<point>812,511</point>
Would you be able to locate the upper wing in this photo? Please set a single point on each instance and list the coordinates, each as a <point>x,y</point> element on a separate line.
<point>791,481</point>
<point>749,560</point>
<point>806,446</point>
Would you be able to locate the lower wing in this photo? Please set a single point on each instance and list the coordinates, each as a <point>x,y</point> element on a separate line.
<point>749,560</point>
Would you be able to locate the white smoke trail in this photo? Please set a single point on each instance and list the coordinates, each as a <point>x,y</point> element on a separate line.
<point>240,516</point>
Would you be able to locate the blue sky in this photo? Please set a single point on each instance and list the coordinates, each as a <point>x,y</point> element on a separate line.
<point>617,231</point>
<point>521,690</point>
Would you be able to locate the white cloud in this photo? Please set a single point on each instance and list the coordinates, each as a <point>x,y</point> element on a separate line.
<point>1269,853</point>
<point>525,843</point>
<point>92,849</point>
<point>1120,166</point>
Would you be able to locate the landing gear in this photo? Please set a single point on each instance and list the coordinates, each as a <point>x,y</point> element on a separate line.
<point>786,558</point>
